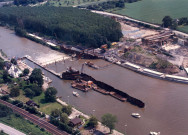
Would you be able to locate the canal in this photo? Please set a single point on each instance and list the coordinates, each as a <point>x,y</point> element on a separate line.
<point>166,102</point>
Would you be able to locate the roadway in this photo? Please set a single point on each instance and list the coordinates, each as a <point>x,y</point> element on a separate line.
<point>35,119</point>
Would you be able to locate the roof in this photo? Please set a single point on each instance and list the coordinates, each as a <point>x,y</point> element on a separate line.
<point>30,102</point>
<point>76,121</point>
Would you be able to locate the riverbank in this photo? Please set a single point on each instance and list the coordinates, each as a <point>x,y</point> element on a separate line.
<point>128,65</point>
<point>100,127</point>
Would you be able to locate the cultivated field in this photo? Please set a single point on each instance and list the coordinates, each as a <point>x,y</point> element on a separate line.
<point>154,10</point>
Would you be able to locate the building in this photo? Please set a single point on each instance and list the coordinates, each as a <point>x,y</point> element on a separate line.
<point>160,39</point>
<point>14,71</point>
<point>76,122</point>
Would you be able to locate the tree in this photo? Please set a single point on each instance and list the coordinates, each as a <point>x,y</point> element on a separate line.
<point>93,122</point>
<point>50,94</point>
<point>26,72</point>
<point>5,76</point>
<point>13,61</point>
<point>55,113</point>
<point>2,64</point>
<point>29,93</point>
<point>67,109</point>
<point>167,21</point>
<point>14,92</point>
<point>64,118</point>
<point>109,120</point>
<point>36,77</point>
<point>36,89</point>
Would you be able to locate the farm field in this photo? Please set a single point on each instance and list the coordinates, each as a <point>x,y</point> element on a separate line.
<point>153,11</point>
<point>183,29</point>
<point>65,3</point>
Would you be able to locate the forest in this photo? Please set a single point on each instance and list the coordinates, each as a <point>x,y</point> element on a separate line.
<point>67,24</point>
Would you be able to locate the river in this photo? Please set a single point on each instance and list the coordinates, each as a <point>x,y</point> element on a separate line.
<point>166,102</point>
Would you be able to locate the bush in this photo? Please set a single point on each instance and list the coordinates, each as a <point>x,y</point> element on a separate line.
<point>65,127</point>
<point>5,97</point>
<point>5,111</point>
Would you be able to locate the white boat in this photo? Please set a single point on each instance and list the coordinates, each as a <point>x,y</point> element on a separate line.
<point>75,93</point>
<point>136,115</point>
<point>154,133</point>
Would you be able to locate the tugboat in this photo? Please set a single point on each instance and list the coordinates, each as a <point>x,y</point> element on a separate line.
<point>75,93</point>
<point>154,133</point>
<point>90,64</point>
<point>136,115</point>
<point>70,74</point>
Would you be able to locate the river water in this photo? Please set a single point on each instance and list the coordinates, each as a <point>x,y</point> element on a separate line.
<point>166,102</point>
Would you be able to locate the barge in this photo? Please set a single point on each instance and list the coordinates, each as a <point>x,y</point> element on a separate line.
<point>95,88</point>
<point>117,96</point>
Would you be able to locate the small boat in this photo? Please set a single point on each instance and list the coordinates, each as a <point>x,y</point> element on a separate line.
<point>154,133</point>
<point>136,115</point>
<point>75,93</point>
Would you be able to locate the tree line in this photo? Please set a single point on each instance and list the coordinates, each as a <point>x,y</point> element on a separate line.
<point>169,22</point>
<point>110,4</point>
<point>26,2</point>
<point>72,25</point>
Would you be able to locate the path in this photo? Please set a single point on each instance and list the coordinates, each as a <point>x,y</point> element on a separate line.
<point>10,130</point>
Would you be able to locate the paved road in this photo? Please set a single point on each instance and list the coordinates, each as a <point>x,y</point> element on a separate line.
<point>35,119</point>
<point>123,17</point>
<point>10,130</point>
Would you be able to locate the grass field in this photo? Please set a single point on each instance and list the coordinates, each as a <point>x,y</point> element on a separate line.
<point>66,3</point>
<point>22,125</point>
<point>153,11</point>
<point>44,107</point>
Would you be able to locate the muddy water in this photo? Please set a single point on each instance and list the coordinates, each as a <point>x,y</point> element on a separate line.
<point>166,102</point>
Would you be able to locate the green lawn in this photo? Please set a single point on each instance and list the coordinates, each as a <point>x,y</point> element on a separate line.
<point>46,107</point>
<point>22,125</point>
<point>154,10</point>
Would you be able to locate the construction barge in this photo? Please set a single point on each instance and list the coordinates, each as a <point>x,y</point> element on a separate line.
<point>81,85</point>
<point>85,83</point>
